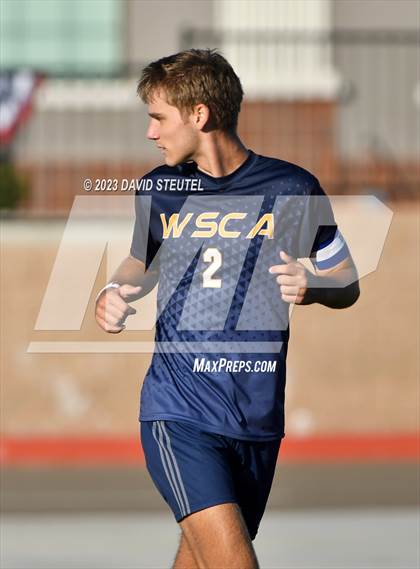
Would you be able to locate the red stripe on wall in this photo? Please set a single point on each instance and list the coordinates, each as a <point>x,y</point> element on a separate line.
<point>352,447</point>
<point>85,451</point>
<point>70,450</point>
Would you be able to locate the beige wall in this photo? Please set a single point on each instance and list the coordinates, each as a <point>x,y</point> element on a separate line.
<point>358,369</point>
<point>376,14</point>
<point>154,27</point>
<point>349,371</point>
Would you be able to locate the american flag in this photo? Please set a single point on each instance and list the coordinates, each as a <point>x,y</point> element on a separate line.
<point>16,95</point>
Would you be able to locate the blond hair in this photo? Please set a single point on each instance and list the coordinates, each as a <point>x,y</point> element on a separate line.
<point>195,76</point>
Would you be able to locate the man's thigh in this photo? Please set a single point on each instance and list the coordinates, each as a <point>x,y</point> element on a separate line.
<point>190,468</point>
<point>218,537</point>
<point>253,473</point>
<point>196,470</point>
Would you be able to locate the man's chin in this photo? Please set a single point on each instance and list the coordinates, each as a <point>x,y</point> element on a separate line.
<point>179,159</point>
<point>171,161</point>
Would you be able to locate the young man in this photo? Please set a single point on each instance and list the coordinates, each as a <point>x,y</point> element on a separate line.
<point>221,236</point>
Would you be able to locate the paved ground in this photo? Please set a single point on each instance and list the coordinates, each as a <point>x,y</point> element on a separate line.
<point>315,539</point>
<point>325,516</point>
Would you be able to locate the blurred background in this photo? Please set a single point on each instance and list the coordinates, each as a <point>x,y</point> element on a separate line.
<point>333,86</point>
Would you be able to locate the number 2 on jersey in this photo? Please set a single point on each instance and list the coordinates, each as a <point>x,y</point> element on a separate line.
<point>214,257</point>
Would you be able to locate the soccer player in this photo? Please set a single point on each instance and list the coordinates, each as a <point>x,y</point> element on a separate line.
<point>220,229</point>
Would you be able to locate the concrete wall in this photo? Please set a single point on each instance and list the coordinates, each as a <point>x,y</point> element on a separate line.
<point>154,27</point>
<point>376,14</point>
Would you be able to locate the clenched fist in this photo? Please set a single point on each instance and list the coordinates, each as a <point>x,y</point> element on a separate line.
<point>293,279</point>
<point>112,307</point>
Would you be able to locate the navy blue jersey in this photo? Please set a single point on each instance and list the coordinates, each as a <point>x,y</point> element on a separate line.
<point>222,328</point>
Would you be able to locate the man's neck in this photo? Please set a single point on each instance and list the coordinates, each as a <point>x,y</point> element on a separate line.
<point>221,154</point>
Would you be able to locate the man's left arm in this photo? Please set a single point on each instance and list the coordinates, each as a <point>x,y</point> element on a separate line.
<point>336,287</point>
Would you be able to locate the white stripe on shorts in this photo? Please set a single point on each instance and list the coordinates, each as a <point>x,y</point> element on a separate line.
<point>180,482</point>
<point>167,465</point>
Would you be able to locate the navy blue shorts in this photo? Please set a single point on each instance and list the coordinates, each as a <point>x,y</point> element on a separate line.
<point>194,469</point>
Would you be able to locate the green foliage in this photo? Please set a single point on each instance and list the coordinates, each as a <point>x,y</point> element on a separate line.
<point>12,188</point>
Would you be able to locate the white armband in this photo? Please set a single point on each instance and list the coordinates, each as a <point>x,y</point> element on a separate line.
<point>109,285</point>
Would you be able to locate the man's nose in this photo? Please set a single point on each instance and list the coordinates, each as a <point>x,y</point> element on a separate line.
<point>153,131</point>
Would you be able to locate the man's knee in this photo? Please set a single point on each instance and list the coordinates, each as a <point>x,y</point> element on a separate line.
<point>185,558</point>
<point>218,537</point>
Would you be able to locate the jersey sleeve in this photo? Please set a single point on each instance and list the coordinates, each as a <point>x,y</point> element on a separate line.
<point>143,246</point>
<point>320,239</point>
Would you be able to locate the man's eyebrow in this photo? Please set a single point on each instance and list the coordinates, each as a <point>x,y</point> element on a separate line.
<point>155,115</point>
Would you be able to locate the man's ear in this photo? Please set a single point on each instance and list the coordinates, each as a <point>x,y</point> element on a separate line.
<point>201,115</point>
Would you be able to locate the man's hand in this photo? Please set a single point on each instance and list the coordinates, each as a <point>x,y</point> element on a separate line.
<point>293,279</point>
<point>337,287</point>
<point>112,307</point>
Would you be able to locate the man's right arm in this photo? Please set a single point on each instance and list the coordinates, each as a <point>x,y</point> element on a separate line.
<point>132,271</point>
<point>112,305</point>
